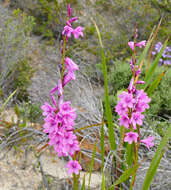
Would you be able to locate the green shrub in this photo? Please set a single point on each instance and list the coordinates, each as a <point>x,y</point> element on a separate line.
<point>29,112</point>
<point>21,78</point>
<point>16,71</point>
<point>48,14</point>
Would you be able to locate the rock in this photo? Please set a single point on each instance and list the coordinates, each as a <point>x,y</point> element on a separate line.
<point>20,170</point>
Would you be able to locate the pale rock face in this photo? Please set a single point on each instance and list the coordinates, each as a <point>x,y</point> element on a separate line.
<point>19,171</point>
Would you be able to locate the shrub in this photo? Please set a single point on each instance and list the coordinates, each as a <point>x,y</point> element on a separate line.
<point>48,15</point>
<point>29,111</point>
<point>16,71</point>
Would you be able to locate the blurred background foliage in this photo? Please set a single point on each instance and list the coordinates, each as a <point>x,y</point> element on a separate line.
<point>116,20</point>
<point>16,71</point>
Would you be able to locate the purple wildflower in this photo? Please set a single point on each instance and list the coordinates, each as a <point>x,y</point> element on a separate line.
<point>127,99</point>
<point>124,121</point>
<point>130,137</point>
<point>70,65</point>
<point>69,10</point>
<point>136,119</point>
<point>73,167</point>
<point>139,44</point>
<point>77,32</point>
<point>148,142</point>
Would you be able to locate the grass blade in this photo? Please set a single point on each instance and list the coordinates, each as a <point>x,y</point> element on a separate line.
<point>152,46</point>
<point>83,184</point>
<point>155,83</point>
<point>156,160</point>
<point>108,111</point>
<point>102,144</point>
<point>103,182</point>
<point>7,100</point>
<point>102,154</point>
<point>91,166</point>
<point>129,172</point>
<point>154,65</point>
<point>144,53</point>
<point>129,154</point>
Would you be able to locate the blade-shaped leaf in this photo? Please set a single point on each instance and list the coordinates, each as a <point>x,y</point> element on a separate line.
<point>103,182</point>
<point>144,53</point>
<point>102,144</point>
<point>108,111</point>
<point>91,166</point>
<point>129,154</point>
<point>83,184</point>
<point>7,100</point>
<point>156,160</point>
<point>155,83</point>
<point>129,172</point>
<point>152,46</point>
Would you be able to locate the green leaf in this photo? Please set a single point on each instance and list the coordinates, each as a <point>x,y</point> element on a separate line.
<point>91,166</point>
<point>7,100</point>
<point>155,83</point>
<point>76,181</point>
<point>144,53</point>
<point>102,144</point>
<point>154,65</point>
<point>129,154</point>
<point>102,154</point>
<point>103,182</point>
<point>129,172</point>
<point>156,160</point>
<point>83,184</point>
<point>108,111</point>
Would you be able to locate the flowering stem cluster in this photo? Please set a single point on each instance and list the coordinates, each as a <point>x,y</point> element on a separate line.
<point>131,106</point>
<point>59,118</point>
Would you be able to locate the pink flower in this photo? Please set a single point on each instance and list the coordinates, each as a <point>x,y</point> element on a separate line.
<point>136,119</point>
<point>69,138</point>
<point>57,88</point>
<point>70,65</point>
<point>140,82</point>
<point>120,109</point>
<point>68,77</point>
<point>127,99</point>
<point>73,167</point>
<point>69,118</point>
<point>124,121</point>
<point>77,32</point>
<point>65,107</point>
<point>140,107</point>
<point>131,87</point>
<point>130,137</point>
<point>139,44</point>
<point>70,21</point>
<point>148,142</point>
<point>47,109</point>
<point>67,31</point>
<point>131,45</point>
<point>142,97</point>
<point>69,10</point>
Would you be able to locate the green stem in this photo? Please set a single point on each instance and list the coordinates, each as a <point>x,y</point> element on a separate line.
<point>135,163</point>
<point>63,60</point>
<point>120,154</point>
<point>75,182</point>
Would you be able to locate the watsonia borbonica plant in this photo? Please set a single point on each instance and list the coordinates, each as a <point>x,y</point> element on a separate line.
<point>59,118</point>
